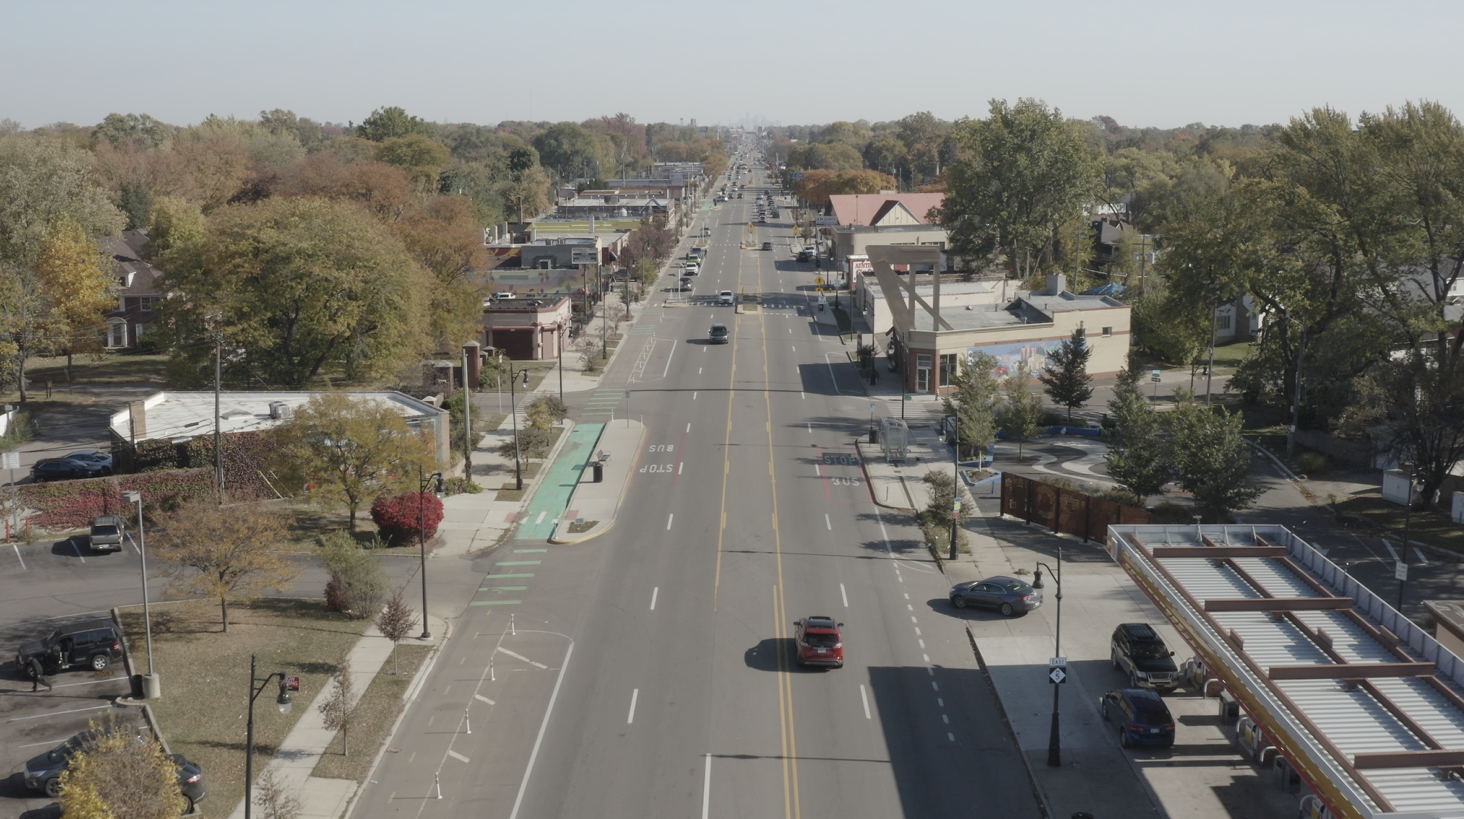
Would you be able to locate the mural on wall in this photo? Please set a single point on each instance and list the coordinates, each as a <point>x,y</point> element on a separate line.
<point>1008,356</point>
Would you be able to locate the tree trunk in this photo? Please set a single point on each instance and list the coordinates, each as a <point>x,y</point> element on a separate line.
<point>224,612</point>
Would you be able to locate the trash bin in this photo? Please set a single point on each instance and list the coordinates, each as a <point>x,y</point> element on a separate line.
<point>598,471</point>
<point>136,681</point>
<point>874,435</point>
<point>152,686</point>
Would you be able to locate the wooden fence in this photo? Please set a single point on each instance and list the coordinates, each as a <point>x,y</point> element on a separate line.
<point>1064,510</point>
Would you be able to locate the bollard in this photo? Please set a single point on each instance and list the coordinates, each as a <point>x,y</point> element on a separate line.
<point>466,721</point>
<point>491,678</point>
<point>513,632</point>
<point>437,780</point>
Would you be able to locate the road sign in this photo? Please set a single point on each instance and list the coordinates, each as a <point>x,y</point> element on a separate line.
<point>1400,571</point>
<point>12,460</point>
<point>1154,376</point>
<point>1057,670</point>
<point>818,280</point>
<point>292,683</point>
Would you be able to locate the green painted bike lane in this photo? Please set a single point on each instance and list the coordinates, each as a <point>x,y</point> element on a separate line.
<point>537,522</point>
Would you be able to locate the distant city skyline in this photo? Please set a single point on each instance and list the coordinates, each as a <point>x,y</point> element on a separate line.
<point>1146,64</point>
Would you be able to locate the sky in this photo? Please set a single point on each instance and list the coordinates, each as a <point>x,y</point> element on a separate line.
<point>1161,64</point>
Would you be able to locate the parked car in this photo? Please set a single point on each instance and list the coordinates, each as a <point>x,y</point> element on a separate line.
<point>724,297</point>
<point>190,781</point>
<point>692,268</point>
<point>767,245</point>
<point>718,334</point>
<point>107,532</point>
<point>103,460</point>
<point>1142,717</point>
<point>1138,651</point>
<point>819,641</point>
<point>1007,595</point>
<point>43,772</point>
<point>90,643</point>
<point>62,469</point>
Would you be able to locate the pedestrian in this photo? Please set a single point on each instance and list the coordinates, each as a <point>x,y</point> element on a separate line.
<point>48,388</point>
<point>38,676</point>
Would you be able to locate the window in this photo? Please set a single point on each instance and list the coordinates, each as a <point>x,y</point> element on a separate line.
<point>1107,331</point>
<point>146,303</point>
<point>1222,322</point>
<point>947,369</point>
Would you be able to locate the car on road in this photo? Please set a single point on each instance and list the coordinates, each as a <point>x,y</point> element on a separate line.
<point>62,469</point>
<point>101,459</point>
<point>762,220</point>
<point>739,195</point>
<point>1007,595</point>
<point>692,269</point>
<point>93,644</point>
<point>106,535</point>
<point>767,245</point>
<point>724,297</point>
<point>819,641</point>
<point>1139,652</point>
<point>1142,717</point>
<point>718,334</point>
<point>805,255</point>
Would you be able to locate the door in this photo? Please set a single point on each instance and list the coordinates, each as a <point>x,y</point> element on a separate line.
<point>922,373</point>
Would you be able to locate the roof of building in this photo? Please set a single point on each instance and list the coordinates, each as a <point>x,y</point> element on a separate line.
<point>1358,698</point>
<point>864,208</point>
<point>138,278</point>
<point>190,414</point>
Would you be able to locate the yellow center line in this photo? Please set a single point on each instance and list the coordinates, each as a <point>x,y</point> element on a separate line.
<point>727,449</point>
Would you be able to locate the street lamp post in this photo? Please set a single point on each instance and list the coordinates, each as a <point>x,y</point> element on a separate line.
<point>422,484</point>
<point>956,488</point>
<point>518,475</point>
<point>136,497</point>
<point>1403,560</point>
<point>1054,739</point>
<point>284,702</point>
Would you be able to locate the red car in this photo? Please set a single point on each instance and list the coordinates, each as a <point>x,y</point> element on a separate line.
<point>819,641</point>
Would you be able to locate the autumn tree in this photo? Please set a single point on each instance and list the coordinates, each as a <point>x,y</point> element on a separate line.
<point>395,622</point>
<point>350,448</point>
<point>114,776</point>
<point>42,180</point>
<point>442,234</point>
<point>339,710</point>
<point>817,186</point>
<point>389,122</point>
<point>300,288</point>
<point>78,287</point>
<point>225,553</point>
<point>421,157</point>
<point>120,129</point>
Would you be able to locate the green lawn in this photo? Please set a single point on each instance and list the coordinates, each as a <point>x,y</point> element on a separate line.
<point>1229,356</point>
<point>375,712</point>
<point>114,368</point>
<point>1432,527</point>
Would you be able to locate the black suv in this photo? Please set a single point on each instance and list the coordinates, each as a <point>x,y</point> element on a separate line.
<point>1139,652</point>
<point>90,643</point>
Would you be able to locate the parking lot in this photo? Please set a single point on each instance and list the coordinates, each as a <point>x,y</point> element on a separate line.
<point>34,723</point>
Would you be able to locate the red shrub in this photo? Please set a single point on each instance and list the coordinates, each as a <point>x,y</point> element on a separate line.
<point>400,518</point>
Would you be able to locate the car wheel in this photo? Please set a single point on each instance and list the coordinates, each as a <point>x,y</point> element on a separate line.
<point>1007,610</point>
<point>99,662</point>
<point>958,601</point>
<point>187,805</point>
<point>1103,708</point>
<point>53,787</point>
<point>106,471</point>
<point>1123,738</point>
<point>1113,656</point>
<point>1133,680</point>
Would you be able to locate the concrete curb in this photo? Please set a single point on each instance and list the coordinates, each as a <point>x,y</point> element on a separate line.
<point>1007,724</point>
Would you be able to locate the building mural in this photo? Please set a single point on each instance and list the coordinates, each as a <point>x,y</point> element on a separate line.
<point>1008,356</point>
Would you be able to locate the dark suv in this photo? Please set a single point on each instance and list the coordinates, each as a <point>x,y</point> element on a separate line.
<point>1142,717</point>
<point>1139,652</point>
<point>90,643</point>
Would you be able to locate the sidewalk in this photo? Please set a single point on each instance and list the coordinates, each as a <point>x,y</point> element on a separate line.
<point>592,506</point>
<point>302,748</point>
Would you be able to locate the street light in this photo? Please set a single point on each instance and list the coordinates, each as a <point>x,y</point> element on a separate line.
<point>518,475</point>
<point>1054,740</point>
<point>136,497</point>
<point>1402,571</point>
<point>284,702</point>
<point>956,512</point>
<point>435,480</point>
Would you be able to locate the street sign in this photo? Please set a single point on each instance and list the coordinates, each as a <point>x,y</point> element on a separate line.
<point>12,460</point>
<point>1057,670</point>
<point>1154,376</point>
<point>292,683</point>
<point>583,255</point>
<point>818,280</point>
<point>1400,571</point>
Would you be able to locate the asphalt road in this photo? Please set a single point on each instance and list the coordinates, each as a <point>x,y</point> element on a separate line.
<point>648,672</point>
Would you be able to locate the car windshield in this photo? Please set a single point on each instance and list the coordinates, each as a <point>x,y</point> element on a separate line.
<point>1160,717</point>
<point>821,639</point>
<point>1150,650</point>
<point>1016,586</point>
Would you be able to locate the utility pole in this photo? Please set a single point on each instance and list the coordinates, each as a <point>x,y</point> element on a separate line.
<point>604,314</point>
<point>1143,259</point>
<point>467,422</point>
<point>218,434</point>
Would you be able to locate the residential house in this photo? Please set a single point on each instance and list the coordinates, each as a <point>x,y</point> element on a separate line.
<point>138,293</point>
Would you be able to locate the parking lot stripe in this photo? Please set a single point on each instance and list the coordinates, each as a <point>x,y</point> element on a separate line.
<point>59,713</point>
<point>16,547</point>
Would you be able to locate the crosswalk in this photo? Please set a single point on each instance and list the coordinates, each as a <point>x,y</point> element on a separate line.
<point>603,402</point>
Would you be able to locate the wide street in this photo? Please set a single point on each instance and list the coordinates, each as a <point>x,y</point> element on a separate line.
<point>648,672</point>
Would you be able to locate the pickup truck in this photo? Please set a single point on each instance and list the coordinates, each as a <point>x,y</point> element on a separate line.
<point>107,532</point>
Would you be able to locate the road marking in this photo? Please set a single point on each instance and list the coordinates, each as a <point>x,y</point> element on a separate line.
<point>533,755</point>
<point>669,518</point>
<point>519,563</point>
<point>940,701</point>
<point>459,757</point>
<point>693,396</point>
<point>810,428</point>
<point>680,466</point>
<point>510,574</point>
<point>707,787</point>
<point>521,657</point>
<point>817,471</point>
<point>922,644</point>
<point>925,657</point>
<point>1389,547</point>
<point>804,397</point>
<point>688,428</point>
<point>654,592</point>
<point>844,595</point>
<point>934,686</point>
<point>484,699</point>
<point>495,602</point>
<point>698,370</point>
<point>634,695</point>
<point>945,719</point>
<point>794,346</point>
<point>865,697</point>
<point>463,660</point>
<point>527,551</point>
<point>913,620</point>
<point>1422,561</point>
<point>911,608</point>
<point>16,546</point>
<point>907,595</point>
<point>951,737</point>
<point>77,549</point>
<point>503,588</point>
<point>827,522</point>
<point>58,713</point>
<point>541,517</point>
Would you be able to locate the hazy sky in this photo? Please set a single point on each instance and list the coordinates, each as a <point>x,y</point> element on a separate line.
<point>1142,63</point>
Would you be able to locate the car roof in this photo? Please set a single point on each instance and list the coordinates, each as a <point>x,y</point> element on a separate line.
<point>1004,580</point>
<point>719,326</point>
<point>1143,699</point>
<point>1140,631</point>
<point>820,621</point>
<point>84,625</point>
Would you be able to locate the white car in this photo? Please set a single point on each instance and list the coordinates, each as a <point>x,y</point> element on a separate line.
<point>692,268</point>
<point>724,297</point>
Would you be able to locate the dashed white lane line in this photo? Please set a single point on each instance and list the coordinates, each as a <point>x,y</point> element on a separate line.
<point>830,525</point>
<point>459,757</point>
<point>912,619</point>
<point>917,632</point>
<point>865,697</point>
<point>804,397</point>
<point>911,608</point>
<point>707,788</point>
<point>1422,561</point>
<point>844,595</point>
<point>634,695</point>
<point>698,370</point>
<point>1389,547</point>
<point>688,427</point>
<point>934,685</point>
<point>817,470</point>
<point>654,592</point>
<point>679,467</point>
<point>922,644</point>
<point>925,657</point>
<point>693,396</point>
<point>22,560</point>
<point>810,429</point>
<point>794,346</point>
<point>669,518</point>
<point>951,737</point>
<point>945,719</point>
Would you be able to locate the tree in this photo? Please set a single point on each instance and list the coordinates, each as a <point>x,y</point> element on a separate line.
<point>941,511</point>
<point>119,129</point>
<point>1211,460</point>
<point>442,234</point>
<point>840,157</point>
<point>534,439</point>
<point>1065,377</point>
<point>301,288</point>
<point>357,582</point>
<point>41,180</point>
<point>567,149</point>
<point>404,518</point>
<point>272,798</point>
<point>386,123</point>
<point>423,158</point>
<point>224,553</point>
<point>78,288</point>
<point>1019,175</point>
<point>395,622</point>
<point>924,139</point>
<point>884,154</point>
<point>817,186</point>
<point>339,709</point>
<point>974,403</point>
<point>1135,454</point>
<point>116,776</point>
<point>1022,418</point>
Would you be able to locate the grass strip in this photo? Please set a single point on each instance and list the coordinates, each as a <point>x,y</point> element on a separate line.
<point>376,712</point>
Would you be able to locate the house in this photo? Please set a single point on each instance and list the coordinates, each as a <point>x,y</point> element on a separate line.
<point>528,329</point>
<point>884,209</point>
<point>138,293</point>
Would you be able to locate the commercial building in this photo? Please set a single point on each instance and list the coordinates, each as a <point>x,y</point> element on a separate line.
<point>528,329</point>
